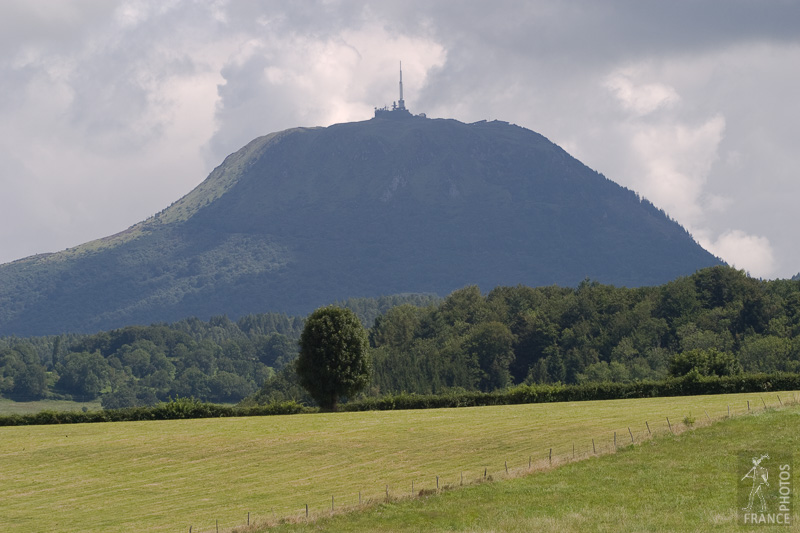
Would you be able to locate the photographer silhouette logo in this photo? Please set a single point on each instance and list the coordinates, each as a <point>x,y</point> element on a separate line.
<point>765,488</point>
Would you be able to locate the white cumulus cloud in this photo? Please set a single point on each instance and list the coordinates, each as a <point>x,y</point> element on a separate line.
<point>752,253</point>
<point>641,99</point>
<point>675,159</point>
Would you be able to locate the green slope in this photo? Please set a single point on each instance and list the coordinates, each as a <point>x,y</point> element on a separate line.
<point>301,218</point>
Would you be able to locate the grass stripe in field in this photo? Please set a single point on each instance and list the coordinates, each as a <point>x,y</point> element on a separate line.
<point>167,475</point>
<point>10,407</point>
<point>684,483</point>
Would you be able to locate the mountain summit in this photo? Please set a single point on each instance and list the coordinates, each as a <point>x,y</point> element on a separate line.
<point>396,204</point>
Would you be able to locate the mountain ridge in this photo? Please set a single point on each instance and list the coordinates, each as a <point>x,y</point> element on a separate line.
<point>307,216</point>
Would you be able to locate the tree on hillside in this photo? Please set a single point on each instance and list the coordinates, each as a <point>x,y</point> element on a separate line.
<point>333,360</point>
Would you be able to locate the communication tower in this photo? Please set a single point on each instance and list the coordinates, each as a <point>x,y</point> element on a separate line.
<point>398,108</point>
<point>401,104</point>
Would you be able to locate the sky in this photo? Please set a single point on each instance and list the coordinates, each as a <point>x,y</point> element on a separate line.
<point>112,110</point>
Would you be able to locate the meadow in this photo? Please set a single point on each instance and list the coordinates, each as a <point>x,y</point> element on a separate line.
<point>10,407</point>
<point>690,482</point>
<point>172,475</point>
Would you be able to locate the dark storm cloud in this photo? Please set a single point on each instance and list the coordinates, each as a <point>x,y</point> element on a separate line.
<point>591,31</point>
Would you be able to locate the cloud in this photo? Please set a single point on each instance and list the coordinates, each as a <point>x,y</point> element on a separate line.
<point>675,160</point>
<point>104,121</point>
<point>274,82</point>
<point>749,252</point>
<point>640,99</point>
<point>114,109</point>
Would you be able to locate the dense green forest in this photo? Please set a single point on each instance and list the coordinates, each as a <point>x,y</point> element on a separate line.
<point>217,361</point>
<point>718,321</point>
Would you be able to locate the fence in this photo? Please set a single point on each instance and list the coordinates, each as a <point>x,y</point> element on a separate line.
<point>504,468</point>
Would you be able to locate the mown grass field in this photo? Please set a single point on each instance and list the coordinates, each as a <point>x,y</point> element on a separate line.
<point>9,407</point>
<point>169,475</point>
<point>690,482</point>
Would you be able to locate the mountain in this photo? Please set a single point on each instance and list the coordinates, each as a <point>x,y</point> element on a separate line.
<point>395,204</point>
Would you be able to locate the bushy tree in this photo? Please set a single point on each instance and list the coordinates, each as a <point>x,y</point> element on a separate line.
<point>711,362</point>
<point>492,344</point>
<point>334,358</point>
<point>276,350</point>
<point>83,374</point>
<point>280,387</point>
<point>21,375</point>
<point>31,384</point>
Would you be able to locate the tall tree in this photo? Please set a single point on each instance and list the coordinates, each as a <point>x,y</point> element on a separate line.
<point>334,358</point>
<point>492,345</point>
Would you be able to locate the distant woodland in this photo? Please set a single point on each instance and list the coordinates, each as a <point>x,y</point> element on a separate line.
<point>717,321</point>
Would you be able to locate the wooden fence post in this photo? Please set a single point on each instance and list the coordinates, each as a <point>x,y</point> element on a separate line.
<point>615,441</point>
<point>779,399</point>
<point>550,457</point>
<point>594,450</point>
<point>762,401</point>
<point>631,432</point>
<point>648,428</point>
<point>306,510</point>
<point>709,418</point>
<point>670,425</point>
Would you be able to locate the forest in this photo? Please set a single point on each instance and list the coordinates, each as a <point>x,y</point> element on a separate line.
<point>718,321</point>
<point>218,360</point>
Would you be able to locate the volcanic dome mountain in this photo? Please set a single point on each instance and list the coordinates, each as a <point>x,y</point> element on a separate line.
<point>395,204</point>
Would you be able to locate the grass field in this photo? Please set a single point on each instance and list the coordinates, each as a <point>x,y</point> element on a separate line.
<point>169,475</point>
<point>690,482</point>
<point>9,407</point>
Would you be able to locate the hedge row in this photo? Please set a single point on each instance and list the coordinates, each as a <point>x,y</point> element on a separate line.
<point>689,385</point>
<point>184,408</point>
<point>181,408</point>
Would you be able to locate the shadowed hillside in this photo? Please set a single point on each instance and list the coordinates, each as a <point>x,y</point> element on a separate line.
<point>304,217</point>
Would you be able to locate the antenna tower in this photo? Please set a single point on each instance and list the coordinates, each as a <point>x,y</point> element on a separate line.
<point>401,104</point>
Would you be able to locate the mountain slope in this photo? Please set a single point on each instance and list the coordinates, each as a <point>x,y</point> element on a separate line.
<point>300,218</point>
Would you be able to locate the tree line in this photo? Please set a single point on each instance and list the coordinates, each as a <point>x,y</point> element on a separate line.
<point>217,360</point>
<point>716,322</point>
